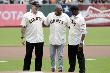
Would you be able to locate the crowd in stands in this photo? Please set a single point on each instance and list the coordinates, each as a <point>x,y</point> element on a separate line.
<point>100,1</point>
<point>56,1</point>
<point>84,1</point>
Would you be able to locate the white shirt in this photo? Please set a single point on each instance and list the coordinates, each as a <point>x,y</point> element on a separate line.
<point>33,24</point>
<point>40,1</point>
<point>77,28</point>
<point>58,26</point>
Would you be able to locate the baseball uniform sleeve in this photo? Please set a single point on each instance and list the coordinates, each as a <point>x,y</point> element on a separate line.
<point>83,26</point>
<point>68,20</point>
<point>43,17</point>
<point>46,22</point>
<point>24,21</point>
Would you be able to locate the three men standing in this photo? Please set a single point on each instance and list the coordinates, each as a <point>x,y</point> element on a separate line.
<point>32,29</point>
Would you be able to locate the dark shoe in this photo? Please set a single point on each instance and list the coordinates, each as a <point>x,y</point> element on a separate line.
<point>38,70</point>
<point>53,69</point>
<point>81,72</point>
<point>25,69</point>
<point>70,70</point>
<point>60,69</point>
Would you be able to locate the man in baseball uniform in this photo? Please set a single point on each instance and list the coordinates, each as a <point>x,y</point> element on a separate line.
<point>58,22</point>
<point>31,29</point>
<point>76,40</point>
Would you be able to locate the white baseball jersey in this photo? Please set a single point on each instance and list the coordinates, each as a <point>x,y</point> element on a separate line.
<point>58,26</point>
<point>77,28</point>
<point>33,24</point>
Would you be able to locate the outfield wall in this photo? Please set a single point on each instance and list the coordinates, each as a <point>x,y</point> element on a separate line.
<point>95,15</point>
<point>11,15</point>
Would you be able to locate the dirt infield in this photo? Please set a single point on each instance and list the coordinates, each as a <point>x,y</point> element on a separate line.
<point>19,52</point>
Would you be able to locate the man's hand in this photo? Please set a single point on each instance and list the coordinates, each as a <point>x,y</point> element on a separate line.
<point>80,47</point>
<point>23,40</point>
<point>23,29</point>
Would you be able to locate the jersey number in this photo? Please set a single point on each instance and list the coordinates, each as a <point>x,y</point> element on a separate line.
<point>73,22</point>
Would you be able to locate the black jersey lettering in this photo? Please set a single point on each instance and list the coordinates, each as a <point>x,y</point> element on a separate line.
<point>34,19</point>
<point>56,20</point>
<point>73,22</point>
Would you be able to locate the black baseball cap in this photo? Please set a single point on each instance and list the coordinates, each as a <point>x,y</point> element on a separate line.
<point>35,3</point>
<point>74,7</point>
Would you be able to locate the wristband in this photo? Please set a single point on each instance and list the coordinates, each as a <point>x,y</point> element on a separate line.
<point>22,37</point>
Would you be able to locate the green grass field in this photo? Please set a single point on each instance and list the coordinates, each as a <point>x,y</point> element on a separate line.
<point>100,65</point>
<point>95,36</point>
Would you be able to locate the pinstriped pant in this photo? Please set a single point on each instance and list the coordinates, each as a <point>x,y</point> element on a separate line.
<point>59,50</point>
